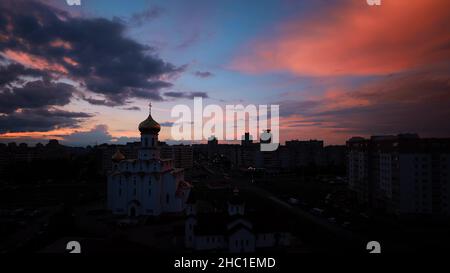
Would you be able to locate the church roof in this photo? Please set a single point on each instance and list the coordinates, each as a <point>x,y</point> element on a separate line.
<point>118,156</point>
<point>149,125</point>
<point>182,187</point>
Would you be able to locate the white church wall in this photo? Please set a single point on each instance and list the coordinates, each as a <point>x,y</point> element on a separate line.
<point>209,242</point>
<point>169,198</point>
<point>241,241</point>
<point>265,240</point>
<point>189,232</point>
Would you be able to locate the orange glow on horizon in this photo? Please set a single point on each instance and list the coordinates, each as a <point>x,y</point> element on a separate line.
<point>57,134</point>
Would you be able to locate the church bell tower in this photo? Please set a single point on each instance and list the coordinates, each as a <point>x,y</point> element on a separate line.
<point>149,129</point>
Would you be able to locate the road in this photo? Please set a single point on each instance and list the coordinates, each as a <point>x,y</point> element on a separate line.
<point>335,229</point>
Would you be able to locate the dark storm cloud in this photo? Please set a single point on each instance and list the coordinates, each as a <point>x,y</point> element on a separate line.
<point>203,74</point>
<point>186,95</point>
<point>40,120</point>
<point>35,94</point>
<point>93,51</point>
<point>99,101</point>
<point>12,72</point>
<point>132,108</point>
<point>124,140</point>
<point>97,135</point>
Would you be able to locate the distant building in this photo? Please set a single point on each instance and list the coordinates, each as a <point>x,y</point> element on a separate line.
<point>213,146</point>
<point>304,153</point>
<point>358,168</point>
<point>248,155</point>
<point>182,155</point>
<point>146,185</point>
<point>295,154</point>
<point>335,155</point>
<point>247,139</point>
<point>404,174</point>
<point>234,230</point>
<point>13,153</point>
<point>4,158</point>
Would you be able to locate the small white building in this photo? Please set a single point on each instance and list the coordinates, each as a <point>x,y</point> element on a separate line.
<point>232,231</point>
<point>146,185</point>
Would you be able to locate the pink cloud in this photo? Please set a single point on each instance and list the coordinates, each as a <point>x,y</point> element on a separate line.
<point>61,43</point>
<point>33,61</point>
<point>353,38</point>
<point>70,61</point>
<point>416,101</point>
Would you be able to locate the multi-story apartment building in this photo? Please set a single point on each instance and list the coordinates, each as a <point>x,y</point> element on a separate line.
<point>303,153</point>
<point>404,174</point>
<point>181,155</point>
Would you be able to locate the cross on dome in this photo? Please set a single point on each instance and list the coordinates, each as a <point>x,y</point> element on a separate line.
<point>149,125</point>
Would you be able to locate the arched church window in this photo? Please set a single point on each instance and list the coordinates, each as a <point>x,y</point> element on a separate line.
<point>145,142</point>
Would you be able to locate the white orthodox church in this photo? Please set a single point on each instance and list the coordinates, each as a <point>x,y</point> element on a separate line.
<point>147,185</point>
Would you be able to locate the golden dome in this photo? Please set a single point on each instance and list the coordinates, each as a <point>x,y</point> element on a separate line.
<point>149,125</point>
<point>118,156</point>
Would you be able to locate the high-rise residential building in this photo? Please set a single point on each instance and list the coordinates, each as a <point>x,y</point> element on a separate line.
<point>304,153</point>
<point>182,155</point>
<point>404,174</point>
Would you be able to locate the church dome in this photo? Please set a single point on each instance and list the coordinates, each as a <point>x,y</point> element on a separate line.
<point>118,156</point>
<point>149,125</point>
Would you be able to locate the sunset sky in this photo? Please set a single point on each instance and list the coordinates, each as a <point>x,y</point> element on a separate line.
<point>85,74</point>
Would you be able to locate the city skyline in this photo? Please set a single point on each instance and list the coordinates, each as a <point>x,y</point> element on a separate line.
<point>335,68</point>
